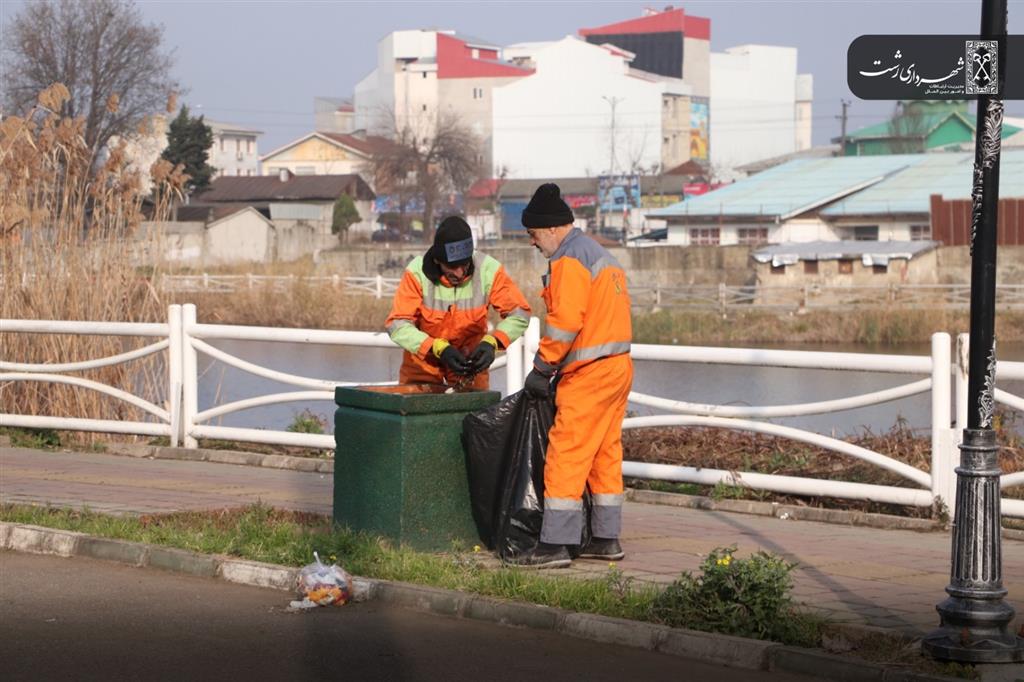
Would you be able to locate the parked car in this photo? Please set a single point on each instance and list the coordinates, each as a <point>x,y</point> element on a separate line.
<point>389,234</point>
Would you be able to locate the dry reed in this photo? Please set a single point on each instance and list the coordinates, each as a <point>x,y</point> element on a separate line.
<point>68,230</point>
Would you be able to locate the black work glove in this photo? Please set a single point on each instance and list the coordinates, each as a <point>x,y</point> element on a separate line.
<point>453,359</point>
<point>537,384</point>
<point>483,355</point>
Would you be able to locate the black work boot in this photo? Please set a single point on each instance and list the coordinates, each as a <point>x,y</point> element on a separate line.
<point>608,549</point>
<point>542,556</point>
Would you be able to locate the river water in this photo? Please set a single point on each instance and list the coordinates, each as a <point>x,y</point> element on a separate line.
<point>692,382</point>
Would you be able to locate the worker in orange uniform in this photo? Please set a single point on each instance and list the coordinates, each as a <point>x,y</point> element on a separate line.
<point>439,313</point>
<point>585,347</point>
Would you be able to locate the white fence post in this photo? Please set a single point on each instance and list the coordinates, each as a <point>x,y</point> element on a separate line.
<point>380,285</point>
<point>174,371</point>
<point>514,367</point>
<point>189,376</point>
<point>531,342</point>
<point>943,443</point>
<point>963,345</point>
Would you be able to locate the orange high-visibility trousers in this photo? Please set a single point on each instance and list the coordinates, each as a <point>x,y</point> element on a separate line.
<point>585,448</point>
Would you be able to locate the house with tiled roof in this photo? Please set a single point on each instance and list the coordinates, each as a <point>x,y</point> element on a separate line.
<point>324,153</point>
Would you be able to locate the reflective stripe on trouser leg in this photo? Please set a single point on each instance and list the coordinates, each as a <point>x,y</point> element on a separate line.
<point>585,442</point>
<point>606,516</point>
<point>563,521</point>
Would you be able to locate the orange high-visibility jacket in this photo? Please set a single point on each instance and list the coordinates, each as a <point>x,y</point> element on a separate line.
<point>424,311</point>
<point>588,306</point>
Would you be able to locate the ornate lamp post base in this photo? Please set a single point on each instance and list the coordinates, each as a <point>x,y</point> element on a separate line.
<point>975,618</point>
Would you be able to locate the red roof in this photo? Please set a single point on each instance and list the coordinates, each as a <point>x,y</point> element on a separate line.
<point>455,60</point>
<point>484,188</point>
<point>367,144</point>
<point>670,21</point>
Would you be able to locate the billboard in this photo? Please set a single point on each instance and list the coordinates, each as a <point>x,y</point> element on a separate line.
<point>699,127</point>
<point>618,193</point>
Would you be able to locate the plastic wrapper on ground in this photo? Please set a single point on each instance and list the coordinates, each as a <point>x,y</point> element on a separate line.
<point>322,585</point>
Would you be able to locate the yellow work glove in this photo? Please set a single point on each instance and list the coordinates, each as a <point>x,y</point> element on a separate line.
<point>450,356</point>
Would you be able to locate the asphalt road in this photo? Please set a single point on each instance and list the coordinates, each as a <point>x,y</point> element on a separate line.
<point>84,619</point>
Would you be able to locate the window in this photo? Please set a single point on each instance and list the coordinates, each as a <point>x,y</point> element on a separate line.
<point>704,235</point>
<point>920,233</point>
<point>865,233</point>
<point>238,145</point>
<point>778,269</point>
<point>222,144</point>
<point>475,53</point>
<point>424,107</point>
<point>810,267</point>
<point>845,266</point>
<point>248,146</point>
<point>424,74</point>
<point>752,235</point>
<point>879,269</point>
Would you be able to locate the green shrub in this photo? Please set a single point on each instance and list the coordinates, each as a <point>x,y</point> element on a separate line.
<point>743,597</point>
<point>307,421</point>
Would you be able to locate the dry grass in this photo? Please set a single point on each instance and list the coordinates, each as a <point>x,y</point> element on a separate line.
<point>739,451</point>
<point>884,326</point>
<point>67,229</point>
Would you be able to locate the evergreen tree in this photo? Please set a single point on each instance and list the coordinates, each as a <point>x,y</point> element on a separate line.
<point>188,142</point>
<point>345,215</point>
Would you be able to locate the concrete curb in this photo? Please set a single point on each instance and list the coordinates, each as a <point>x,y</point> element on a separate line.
<point>779,511</point>
<point>238,457</point>
<point>725,650</point>
<point>786,511</point>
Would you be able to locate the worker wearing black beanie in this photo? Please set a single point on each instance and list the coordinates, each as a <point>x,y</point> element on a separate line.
<point>547,208</point>
<point>585,345</point>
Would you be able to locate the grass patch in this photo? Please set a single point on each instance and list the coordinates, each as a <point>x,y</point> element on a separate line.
<point>261,533</point>
<point>745,597</point>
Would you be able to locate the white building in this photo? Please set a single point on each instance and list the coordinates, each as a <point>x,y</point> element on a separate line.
<point>584,112</point>
<point>422,74</point>
<point>760,105</point>
<point>234,151</point>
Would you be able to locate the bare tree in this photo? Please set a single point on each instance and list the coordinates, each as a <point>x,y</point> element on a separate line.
<point>429,157</point>
<point>907,130</point>
<point>110,61</point>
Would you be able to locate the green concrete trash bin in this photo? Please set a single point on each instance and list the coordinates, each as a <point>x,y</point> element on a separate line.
<point>399,466</point>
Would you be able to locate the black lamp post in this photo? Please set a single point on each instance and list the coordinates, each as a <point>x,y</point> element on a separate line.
<point>975,618</point>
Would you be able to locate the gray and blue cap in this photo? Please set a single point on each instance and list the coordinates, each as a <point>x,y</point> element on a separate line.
<point>453,245</point>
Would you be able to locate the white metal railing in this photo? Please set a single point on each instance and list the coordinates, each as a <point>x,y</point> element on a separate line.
<point>378,285</point>
<point>181,420</point>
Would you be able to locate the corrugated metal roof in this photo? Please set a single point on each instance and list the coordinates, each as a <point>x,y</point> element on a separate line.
<point>948,174</point>
<point>792,188</point>
<point>868,252</point>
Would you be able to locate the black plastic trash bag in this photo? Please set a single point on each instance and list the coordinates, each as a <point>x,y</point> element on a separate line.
<point>505,447</point>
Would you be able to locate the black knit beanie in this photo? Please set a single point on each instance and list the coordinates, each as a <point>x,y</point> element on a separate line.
<point>547,208</point>
<point>453,243</point>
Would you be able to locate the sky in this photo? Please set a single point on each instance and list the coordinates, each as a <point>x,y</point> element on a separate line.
<point>260,63</point>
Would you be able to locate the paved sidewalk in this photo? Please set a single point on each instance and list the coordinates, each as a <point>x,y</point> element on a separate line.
<point>886,578</point>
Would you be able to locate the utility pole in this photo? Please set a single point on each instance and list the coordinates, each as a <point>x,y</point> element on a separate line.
<point>975,618</point>
<point>613,101</point>
<point>842,134</point>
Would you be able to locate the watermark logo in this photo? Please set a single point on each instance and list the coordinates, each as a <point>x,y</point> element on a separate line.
<point>982,57</point>
<point>908,67</point>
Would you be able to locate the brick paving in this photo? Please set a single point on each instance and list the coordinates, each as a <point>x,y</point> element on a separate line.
<point>886,578</point>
